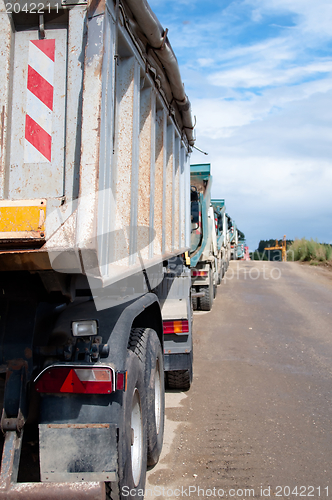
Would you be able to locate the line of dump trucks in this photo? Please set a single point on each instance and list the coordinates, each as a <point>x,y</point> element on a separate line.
<point>108,240</point>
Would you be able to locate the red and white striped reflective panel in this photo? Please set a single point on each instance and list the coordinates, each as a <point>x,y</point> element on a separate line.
<point>63,379</point>
<point>40,93</point>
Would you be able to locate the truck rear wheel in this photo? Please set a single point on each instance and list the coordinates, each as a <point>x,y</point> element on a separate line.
<point>219,274</point>
<point>146,345</point>
<point>133,436</point>
<point>222,273</point>
<point>179,379</point>
<point>207,300</point>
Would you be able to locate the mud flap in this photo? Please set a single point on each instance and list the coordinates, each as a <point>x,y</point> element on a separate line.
<point>78,452</point>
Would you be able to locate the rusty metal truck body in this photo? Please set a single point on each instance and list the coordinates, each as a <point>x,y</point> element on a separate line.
<point>95,138</point>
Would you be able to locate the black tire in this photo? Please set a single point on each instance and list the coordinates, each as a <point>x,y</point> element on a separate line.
<point>132,456</point>
<point>179,379</point>
<point>194,303</point>
<point>207,301</point>
<point>222,271</point>
<point>219,274</point>
<point>144,342</point>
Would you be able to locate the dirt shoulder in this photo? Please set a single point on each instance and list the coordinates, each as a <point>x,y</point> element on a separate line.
<point>320,269</point>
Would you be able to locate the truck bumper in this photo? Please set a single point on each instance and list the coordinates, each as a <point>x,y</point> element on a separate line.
<point>53,491</point>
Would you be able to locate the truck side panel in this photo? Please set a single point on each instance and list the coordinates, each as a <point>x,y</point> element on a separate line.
<point>125,158</point>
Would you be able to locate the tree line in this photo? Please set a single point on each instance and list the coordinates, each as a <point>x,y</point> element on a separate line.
<point>261,254</point>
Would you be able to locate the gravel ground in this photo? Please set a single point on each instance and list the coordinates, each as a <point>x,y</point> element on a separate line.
<point>257,420</point>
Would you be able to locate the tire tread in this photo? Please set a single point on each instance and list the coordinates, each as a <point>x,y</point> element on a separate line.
<point>179,379</point>
<point>137,342</point>
<point>206,301</point>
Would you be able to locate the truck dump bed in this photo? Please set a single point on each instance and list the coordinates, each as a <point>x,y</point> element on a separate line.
<point>95,135</point>
<point>220,219</point>
<point>201,181</point>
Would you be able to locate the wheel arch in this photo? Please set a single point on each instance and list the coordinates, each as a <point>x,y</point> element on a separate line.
<point>144,312</point>
<point>151,317</point>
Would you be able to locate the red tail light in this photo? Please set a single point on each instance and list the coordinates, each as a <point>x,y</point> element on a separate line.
<point>176,327</point>
<point>199,273</point>
<point>75,380</point>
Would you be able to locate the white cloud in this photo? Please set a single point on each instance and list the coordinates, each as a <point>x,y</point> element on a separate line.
<point>205,62</point>
<point>219,118</point>
<point>257,75</point>
<point>313,17</point>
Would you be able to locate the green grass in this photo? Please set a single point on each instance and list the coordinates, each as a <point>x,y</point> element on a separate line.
<point>309,250</point>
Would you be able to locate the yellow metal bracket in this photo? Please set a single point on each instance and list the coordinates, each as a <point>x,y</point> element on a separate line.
<point>21,219</point>
<point>282,247</point>
<point>187,258</point>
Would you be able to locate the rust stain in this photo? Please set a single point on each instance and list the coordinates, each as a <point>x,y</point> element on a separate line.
<point>2,125</point>
<point>96,7</point>
<point>169,198</point>
<point>144,173</point>
<point>159,187</point>
<point>16,364</point>
<point>28,353</point>
<point>53,491</point>
<point>98,70</point>
<point>33,260</point>
<point>78,426</point>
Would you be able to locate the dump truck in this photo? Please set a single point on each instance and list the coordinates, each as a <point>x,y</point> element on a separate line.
<point>240,245</point>
<point>223,244</point>
<point>246,253</point>
<point>233,237</point>
<point>95,139</point>
<point>203,252</point>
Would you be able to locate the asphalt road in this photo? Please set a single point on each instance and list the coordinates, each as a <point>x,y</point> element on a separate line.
<point>257,420</point>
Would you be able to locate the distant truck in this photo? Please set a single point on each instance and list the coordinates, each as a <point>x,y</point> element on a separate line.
<point>223,244</point>
<point>204,250</point>
<point>95,138</point>
<point>233,238</point>
<point>240,245</point>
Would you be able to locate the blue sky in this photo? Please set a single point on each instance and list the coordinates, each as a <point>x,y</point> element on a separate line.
<point>259,76</point>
